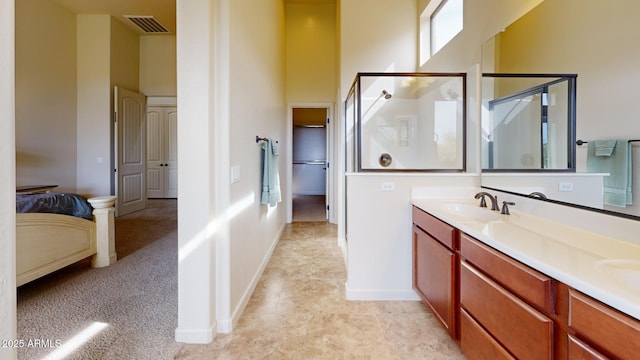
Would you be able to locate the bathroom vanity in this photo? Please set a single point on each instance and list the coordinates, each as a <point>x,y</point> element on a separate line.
<point>521,287</point>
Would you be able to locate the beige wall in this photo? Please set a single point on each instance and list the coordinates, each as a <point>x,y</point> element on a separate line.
<point>45,94</point>
<point>257,107</point>
<point>66,66</point>
<point>125,56</point>
<point>311,52</point>
<point>158,65</point>
<point>94,105</point>
<point>596,44</point>
<point>376,36</point>
<point>482,20</point>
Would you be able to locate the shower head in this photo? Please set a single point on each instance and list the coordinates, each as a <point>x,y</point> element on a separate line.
<point>386,94</point>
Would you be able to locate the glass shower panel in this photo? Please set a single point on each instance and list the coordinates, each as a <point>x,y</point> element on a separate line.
<point>407,122</point>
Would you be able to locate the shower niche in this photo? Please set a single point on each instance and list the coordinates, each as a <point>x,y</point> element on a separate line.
<point>406,122</point>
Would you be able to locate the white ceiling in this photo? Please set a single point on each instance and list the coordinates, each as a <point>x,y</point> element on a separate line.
<point>163,10</point>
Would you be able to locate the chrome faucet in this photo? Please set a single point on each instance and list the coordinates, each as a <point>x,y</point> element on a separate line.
<point>538,195</point>
<point>483,203</point>
<point>505,207</point>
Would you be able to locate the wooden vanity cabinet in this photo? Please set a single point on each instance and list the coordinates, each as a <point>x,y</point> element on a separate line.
<point>435,268</point>
<point>498,308</point>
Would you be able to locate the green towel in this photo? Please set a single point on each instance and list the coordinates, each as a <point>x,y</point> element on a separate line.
<point>617,186</point>
<point>605,147</point>
<point>270,177</point>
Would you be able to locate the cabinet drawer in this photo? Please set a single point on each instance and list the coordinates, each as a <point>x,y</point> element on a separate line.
<point>521,329</point>
<point>532,286</point>
<point>581,351</point>
<point>476,343</point>
<point>437,228</point>
<point>605,329</point>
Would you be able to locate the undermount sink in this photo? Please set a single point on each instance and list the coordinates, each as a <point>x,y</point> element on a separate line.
<point>470,212</point>
<point>624,271</point>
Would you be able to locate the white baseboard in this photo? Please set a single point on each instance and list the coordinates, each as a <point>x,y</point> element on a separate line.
<point>226,326</point>
<point>380,294</point>
<point>195,336</point>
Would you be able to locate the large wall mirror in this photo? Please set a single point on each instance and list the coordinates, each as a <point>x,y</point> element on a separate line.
<point>595,40</point>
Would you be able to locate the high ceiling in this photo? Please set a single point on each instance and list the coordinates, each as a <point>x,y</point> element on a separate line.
<point>163,10</point>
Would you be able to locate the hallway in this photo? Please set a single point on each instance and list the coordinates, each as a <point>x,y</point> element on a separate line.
<point>299,311</point>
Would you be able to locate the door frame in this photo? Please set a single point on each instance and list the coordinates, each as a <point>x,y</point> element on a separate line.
<point>330,174</point>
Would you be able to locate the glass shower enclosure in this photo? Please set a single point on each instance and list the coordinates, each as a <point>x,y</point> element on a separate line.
<point>406,122</point>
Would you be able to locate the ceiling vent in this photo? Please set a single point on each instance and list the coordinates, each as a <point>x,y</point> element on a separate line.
<point>148,24</point>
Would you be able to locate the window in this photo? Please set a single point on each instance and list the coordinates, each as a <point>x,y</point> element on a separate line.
<point>440,22</point>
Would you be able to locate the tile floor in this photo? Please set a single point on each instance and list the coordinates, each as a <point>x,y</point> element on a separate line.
<point>299,311</point>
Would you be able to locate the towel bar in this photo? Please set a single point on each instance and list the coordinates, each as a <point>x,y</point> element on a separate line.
<point>581,142</point>
<point>258,139</point>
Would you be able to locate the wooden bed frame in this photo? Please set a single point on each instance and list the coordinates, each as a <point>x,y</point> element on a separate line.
<point>48,242</point>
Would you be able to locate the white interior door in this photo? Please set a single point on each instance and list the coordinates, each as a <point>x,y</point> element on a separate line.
<point>130,111</point>
<point>171,163</point>
<point>162,152</point>
<point>155,149</point>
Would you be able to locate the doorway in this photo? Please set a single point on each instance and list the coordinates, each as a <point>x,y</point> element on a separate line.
<point>310,165</point>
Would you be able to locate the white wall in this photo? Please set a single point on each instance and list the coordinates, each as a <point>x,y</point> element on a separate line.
<point>379,240</point>
<point>225,98</point>
<point>45,94</point>
<point>197,224</point>
<point>7,182</point>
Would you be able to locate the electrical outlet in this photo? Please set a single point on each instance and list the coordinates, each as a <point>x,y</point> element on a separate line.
<point>565,186</point>
<point>387,186</point>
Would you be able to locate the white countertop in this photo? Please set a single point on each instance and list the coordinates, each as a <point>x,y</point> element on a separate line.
<point>604,268</point>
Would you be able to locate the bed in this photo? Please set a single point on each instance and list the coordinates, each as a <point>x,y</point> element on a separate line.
<point>47,240</point>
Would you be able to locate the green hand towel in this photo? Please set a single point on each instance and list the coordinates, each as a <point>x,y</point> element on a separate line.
<point>605,147</point>
<point>617,186</point>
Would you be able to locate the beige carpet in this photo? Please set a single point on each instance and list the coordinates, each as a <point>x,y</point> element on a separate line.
<point>136,297</point>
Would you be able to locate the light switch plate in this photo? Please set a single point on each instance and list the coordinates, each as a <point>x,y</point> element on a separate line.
<point>235,174</point>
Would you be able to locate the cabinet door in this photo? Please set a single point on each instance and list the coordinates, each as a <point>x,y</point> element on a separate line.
<point>433,278</point>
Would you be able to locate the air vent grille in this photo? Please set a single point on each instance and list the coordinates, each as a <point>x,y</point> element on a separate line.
<point>148,24</point>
